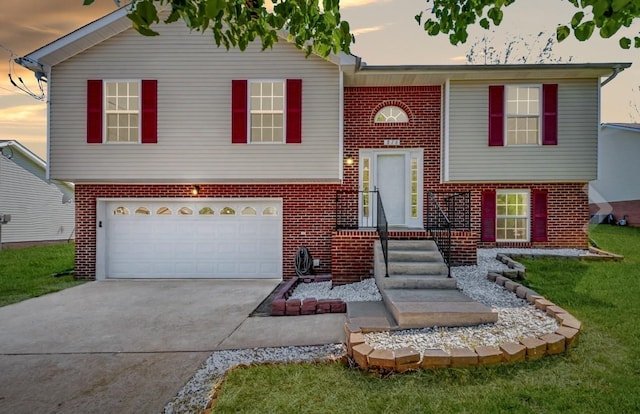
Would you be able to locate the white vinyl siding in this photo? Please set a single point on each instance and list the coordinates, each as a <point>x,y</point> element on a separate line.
<point>35,205</point>
<point>574,158</point>
<point>194,112</point>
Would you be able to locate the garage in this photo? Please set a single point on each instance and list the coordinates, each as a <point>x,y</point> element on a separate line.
<point>187,238</point>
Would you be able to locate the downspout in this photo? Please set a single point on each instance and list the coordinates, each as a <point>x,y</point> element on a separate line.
<point>615,73</point>
<point>48,171</point>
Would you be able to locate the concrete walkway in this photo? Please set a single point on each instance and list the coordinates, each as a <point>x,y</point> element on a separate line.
<point>130,346</point>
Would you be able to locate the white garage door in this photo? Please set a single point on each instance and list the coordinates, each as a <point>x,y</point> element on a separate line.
<point>216,238</point>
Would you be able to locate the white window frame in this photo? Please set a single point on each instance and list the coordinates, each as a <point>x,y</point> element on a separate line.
<point>527,217</point>
<point>507,115</point>
<point>105,111</point>
<point>284,111</point>
<point>389,119</point>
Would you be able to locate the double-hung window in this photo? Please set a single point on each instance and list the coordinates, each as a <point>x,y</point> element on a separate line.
<point>122,111</point>
<point>512,215</point>
<point>523,115</point>
<point>267,109</point>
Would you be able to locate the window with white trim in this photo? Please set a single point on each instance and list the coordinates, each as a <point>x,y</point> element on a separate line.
<point>512,215</point>
<point>122,111</point>
<point>266,108</point>
<point>523,115</point>
<point>391,114</point>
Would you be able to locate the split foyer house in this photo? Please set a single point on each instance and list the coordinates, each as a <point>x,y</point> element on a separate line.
<point>193,161</point>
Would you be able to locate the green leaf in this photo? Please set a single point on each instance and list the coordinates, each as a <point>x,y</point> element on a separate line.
<point>147,12</point>
<point>625,43</point>
<point>610,28</point>
<point>584,31</point>
<point>496,15</point>
<point>636,42</point>
<point>87,2</point>
<point>618,5</point>
<point>577,18</point>
<point>484,23</point>
<point>418,18</point>
<point>562,32</point>
<point>214,7</point>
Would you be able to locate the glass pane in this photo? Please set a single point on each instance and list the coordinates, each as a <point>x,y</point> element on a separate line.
<point>501,210</point>
<point>267,121</point>
<point>112,134</point>
<point>255,104</point>
<point>123,134</point>
<point>270,211</point>
<point>121,211</point>
<point>123,120</point>
<point>133,104</point>
<point>133,120</point>
<point>185,211</point>
<point>266,104</point>
<point>133,134</point>
<point>122,104</point>
<point>248,211</point>
<point>228,211</point>
<point>133,89</point>
<point>112,120</point>
<point>278,89</point>
<point>163,211</point>
<point>143,211</point>
<point>123,88</point>
<point>267,135</point>
<point>267,88</point>
<point>256,121</point>
<point>278,135</point>
<point>111,89</point>
<point>255,89</point>
<point>206,211</point>
<point>111,104</point>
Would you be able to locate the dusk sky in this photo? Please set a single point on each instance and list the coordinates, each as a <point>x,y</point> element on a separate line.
<point>386,34</point>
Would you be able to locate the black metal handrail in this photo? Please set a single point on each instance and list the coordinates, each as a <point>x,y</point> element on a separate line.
<point>439,226</point>
<point>456,206</point>
<point>383,233</point>
<point>363,210</point>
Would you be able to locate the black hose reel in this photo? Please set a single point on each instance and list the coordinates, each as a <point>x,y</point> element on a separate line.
<point>304,262</point>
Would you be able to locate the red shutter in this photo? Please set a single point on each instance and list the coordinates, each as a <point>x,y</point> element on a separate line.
<point>239,111</point>
<point>294,111</point>
<point>496,115</point>
<point>94,111</point>
<point>488,219</point>
<point>539,225</point>
<point>550,114</point>
<point>149,112</point>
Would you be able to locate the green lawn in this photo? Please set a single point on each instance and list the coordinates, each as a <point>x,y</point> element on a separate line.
<point>601,374</point>
<point>26,273</point>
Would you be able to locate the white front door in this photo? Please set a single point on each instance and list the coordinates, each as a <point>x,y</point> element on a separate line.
<point>397,176</point>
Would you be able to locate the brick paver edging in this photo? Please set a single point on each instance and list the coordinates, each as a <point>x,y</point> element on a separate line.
<point>529,348</point>
<point>283,305</point>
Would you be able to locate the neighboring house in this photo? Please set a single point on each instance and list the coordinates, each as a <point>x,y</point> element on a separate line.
<point>41,210</point>
<point>194,161</point>
<point>617,189</point>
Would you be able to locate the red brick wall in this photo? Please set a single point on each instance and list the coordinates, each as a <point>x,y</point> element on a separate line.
<point>313,202</point>
<point>568,212</point>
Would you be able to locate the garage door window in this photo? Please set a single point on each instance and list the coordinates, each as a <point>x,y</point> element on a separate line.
<point>185,211</point>
<point>270,211</point>
<point>227,211</point>
<point>142,211</point>
<point>164,211</point>
<point>120,211</point>
<point>249,211</point>
<point>206,211</point>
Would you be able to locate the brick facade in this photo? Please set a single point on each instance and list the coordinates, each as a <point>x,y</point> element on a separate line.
<point>314,202</point>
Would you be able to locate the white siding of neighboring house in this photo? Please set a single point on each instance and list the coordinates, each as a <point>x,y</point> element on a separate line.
<point>573,159</point>
<point>618,166</point>
<point>194,112</point>
<point>36,208</point>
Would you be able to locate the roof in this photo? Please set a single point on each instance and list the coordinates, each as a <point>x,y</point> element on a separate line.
<point>9,148</point>
<point>624,126</point>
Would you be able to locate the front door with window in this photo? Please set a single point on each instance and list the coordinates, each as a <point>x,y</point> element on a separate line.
<point>397,175</point>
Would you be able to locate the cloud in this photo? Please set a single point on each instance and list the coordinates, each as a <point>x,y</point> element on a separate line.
<point>23,114</point>
<point>366,30</point>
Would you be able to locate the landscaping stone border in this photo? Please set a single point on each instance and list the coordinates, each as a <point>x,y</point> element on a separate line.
<point>529,348</point>
<point>284,305</point>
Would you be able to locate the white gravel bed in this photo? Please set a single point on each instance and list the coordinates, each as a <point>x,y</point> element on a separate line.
<point>194,396</point>
<point>365,291</point>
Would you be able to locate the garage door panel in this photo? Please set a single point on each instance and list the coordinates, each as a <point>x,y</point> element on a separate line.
<point>245,245</point>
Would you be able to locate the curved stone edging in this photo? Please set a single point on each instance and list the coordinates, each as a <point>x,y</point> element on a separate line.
<point>282,305</point>
<point>530,348</point>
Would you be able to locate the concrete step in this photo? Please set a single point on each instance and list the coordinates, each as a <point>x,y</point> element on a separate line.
<point>370,316</point>
<point>417,268</point>
<point>413,308</point>
<point>415,256</point>
<point>423,245</point>
<point>416,282</point>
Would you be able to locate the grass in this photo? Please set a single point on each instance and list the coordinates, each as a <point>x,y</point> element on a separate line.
<point>601,374</point>
<point>26,273</point>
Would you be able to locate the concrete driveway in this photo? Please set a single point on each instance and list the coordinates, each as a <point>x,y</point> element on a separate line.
<point>130,346</point>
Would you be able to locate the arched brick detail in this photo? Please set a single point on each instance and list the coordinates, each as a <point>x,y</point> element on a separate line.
<point>399,104</point>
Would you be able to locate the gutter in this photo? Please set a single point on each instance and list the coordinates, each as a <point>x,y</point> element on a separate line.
<point>616,71</point>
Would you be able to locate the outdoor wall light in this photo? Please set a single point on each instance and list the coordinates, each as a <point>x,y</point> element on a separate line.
<point>348,160</point>
<point>195,190</point>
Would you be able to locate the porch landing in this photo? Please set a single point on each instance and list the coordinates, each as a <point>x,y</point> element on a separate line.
<point>414,295</point>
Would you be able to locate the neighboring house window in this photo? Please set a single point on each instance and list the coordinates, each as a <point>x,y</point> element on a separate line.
<point>523,115</point>
<point>528,115</point>
<point>266,111</point>
<point>512,215</point>
<point>122,111</point>
<point>391,114</point>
